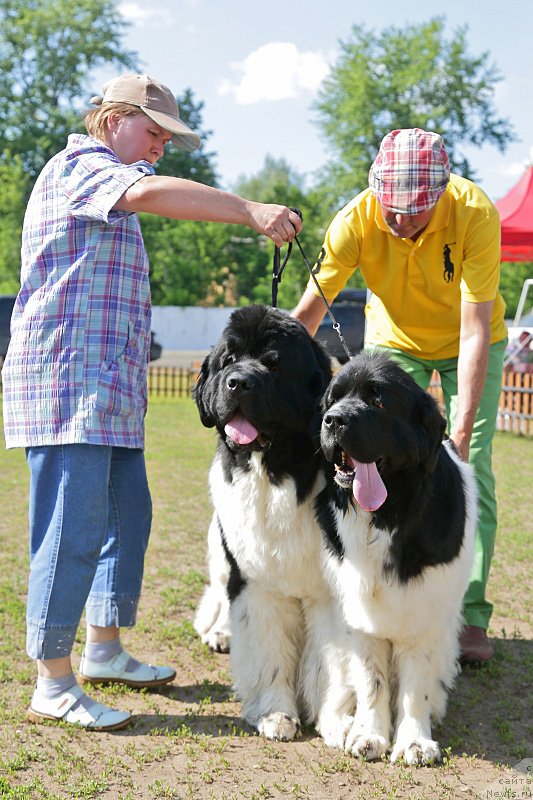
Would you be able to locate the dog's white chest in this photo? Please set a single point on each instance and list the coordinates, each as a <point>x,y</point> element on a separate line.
<point>272,536</point>
<point>376,602</point>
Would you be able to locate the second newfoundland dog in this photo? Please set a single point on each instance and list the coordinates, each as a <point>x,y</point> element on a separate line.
<point>399,525</point>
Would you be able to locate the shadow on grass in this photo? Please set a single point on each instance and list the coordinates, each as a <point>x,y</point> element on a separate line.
<point>488,710</point>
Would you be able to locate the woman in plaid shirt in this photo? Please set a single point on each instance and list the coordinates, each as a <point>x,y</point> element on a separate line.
<point>74,384</point>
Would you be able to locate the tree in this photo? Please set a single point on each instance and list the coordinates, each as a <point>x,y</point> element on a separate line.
<point>198,165</point>
<point>406,78</point>
<point>14,183</point>
<point>195,263</point>
<point>276,182</point>
<point>189,261</point>
<point>512,277</point>
<point>47,50</point>
<point>186,257</point>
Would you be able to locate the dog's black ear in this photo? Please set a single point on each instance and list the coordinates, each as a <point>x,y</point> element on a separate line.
<point>432,427</point>
<point>199,394</point>
<point>324,362</point>
<point>322,376</point>
<point>319,384</point>
<point>315,423</point>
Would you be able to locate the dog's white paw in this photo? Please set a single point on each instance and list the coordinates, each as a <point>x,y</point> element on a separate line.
<point>417,752</point>
<point>365,744</point>
<point>217,640</point>
<point>334,732</point>
<point>279,725</point>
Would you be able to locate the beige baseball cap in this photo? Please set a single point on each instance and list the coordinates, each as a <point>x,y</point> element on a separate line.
<point>156,100</point>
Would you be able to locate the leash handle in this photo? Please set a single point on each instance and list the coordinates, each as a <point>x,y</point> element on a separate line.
<point>278,266</point>
<point>277,270</point>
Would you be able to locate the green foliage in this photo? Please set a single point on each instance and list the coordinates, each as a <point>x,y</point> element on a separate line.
<point>277,182</point>
<point>198,165</point>
<point>191,263</point>
<point>403,78</point>
<point>47,50</point>
<point>14,184</point>
<point>397,78</point>
<point>198,263</point>
<point>512,277</point>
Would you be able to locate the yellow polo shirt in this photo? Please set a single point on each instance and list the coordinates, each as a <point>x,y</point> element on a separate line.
<point>417,287</point>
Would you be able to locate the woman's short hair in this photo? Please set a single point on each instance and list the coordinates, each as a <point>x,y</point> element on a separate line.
<point>96,119</point>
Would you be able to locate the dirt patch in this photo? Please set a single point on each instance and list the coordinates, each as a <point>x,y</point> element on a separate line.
<point>188,741</point>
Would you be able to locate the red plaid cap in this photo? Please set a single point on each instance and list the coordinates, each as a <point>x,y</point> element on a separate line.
<point>410,172</point>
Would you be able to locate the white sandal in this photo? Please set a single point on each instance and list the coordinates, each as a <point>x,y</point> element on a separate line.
<point>116,671</point>
<point>99,718</point>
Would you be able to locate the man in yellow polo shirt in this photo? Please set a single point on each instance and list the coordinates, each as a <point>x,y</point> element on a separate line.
<point>427,243</point>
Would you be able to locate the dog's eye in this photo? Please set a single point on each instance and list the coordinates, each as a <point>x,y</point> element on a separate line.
<point>230,358</point>
<point>273,366</point>
<point>377,402</point>
<point>271,362</point>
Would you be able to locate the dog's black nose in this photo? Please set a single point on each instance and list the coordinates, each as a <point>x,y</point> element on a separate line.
<point>334,421</point>
<point>237,381</point>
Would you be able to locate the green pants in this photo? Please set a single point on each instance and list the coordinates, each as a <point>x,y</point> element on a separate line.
<point>477,609</point>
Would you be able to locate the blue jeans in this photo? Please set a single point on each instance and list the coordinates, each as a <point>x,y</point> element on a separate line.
<point>90,518</point>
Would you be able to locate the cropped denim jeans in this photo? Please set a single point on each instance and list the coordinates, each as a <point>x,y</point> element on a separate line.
<point>90,519</point>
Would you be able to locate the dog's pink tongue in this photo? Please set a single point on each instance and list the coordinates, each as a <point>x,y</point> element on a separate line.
<point>368,488</point>
<point>240,430</point>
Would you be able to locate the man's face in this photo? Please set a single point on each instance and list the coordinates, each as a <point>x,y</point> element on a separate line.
<point>406,226</point>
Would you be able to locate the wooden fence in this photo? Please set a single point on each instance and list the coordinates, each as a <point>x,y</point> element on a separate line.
<point>171,381</point>
<point>515,413</point>
<point>516,403</point>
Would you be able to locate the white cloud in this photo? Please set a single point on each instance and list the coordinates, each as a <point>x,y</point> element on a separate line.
<point>140,15</point>
<point>275,71</point>
<point>517,168</point>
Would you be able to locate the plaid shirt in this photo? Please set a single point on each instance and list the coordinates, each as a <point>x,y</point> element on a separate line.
<point>75,371</point>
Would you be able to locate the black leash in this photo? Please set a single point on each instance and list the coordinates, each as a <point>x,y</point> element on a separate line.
<point>277,271</point>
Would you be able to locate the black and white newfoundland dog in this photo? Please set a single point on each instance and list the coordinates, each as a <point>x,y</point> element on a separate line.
<point>399,529</point>
<point>261,389</point>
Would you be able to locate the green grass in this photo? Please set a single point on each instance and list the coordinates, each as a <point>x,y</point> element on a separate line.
<point>188,741</point>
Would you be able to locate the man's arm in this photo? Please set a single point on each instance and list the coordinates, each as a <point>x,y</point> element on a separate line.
<point>178,198</point>
<point>471,369</point>
<point>310,311</point>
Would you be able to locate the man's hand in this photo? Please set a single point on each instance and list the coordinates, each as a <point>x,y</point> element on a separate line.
<point>471,370</point>
<point>461,440</point>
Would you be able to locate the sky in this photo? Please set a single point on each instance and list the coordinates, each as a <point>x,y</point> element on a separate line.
<point>257,67</point>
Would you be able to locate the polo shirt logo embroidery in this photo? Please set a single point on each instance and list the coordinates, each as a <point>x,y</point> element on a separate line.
<point>449,268</point>
<point>320,259</point>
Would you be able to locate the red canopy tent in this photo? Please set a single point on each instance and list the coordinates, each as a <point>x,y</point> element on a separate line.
<point>516,214</point>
